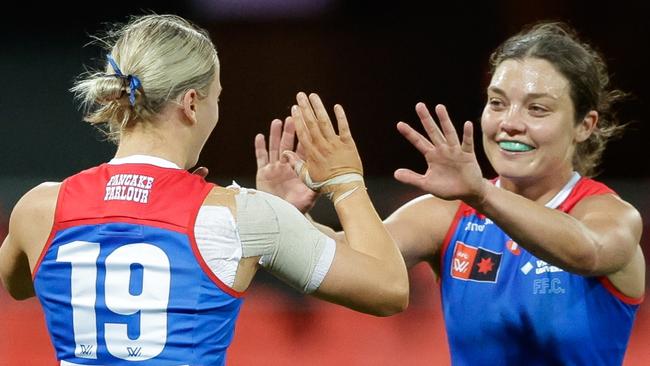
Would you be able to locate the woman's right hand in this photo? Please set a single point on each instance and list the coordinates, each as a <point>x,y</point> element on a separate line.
<point>331,162</point>
<point>368,272</point>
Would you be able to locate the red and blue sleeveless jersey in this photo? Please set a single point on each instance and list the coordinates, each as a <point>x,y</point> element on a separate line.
<point>121,280</point>
<point>504,306</point>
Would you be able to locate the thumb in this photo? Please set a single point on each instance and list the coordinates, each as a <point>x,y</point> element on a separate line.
<point>408,176</point>
<point>298,166</point>
<point>201,171</point>
<point>292,158</point>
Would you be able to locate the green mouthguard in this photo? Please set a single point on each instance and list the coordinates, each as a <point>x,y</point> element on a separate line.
<point>514,146</point>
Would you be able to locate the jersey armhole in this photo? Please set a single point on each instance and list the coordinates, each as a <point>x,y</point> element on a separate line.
<point>448,237</point>
<point>197,254</point>
<point>609,286</point>
<point>53,231</point>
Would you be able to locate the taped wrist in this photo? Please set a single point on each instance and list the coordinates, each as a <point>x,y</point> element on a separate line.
<point>336,188</point>
<point>289,246</point>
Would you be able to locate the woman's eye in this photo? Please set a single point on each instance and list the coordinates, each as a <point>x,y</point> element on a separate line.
<point>538,109</point>
<point>495,103</point>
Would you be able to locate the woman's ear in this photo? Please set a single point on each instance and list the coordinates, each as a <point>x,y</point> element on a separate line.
<point>188,102</point>
<point>586,126</point>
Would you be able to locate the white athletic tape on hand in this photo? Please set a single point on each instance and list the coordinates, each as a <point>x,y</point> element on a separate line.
<point>345,195</point>
<point>327,186</point>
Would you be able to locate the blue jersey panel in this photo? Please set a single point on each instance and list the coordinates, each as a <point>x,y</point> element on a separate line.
<point>126,294</point>
<point>504,306</point>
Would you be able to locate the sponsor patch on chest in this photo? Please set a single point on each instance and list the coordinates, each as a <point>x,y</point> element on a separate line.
<point>478,264</point>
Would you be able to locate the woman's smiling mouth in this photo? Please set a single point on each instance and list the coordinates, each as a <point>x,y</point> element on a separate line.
<point>515,146</point>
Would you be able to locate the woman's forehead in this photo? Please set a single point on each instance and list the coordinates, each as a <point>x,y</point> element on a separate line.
<point>529,76</point>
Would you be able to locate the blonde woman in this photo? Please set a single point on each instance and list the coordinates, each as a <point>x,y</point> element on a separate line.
<point>137,261</point>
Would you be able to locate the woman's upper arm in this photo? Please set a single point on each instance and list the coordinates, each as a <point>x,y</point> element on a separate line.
<point>29,226</point>
<point>311,262</point>
<point>359,282</point>
<point>419,227</point>
<point>614,226</point>
<point>14,270</point>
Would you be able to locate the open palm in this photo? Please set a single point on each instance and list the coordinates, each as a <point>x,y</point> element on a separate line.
<point>452,168</point>
<point>276,176</point>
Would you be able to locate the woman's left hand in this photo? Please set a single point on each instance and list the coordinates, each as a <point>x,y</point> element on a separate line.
<point>276,176</point>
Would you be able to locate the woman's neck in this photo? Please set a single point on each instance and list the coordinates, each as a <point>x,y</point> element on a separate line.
<point>152,144</point>
<point>538,189</point>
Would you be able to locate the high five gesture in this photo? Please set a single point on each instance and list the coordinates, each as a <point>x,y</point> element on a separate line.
<point>452,169</point>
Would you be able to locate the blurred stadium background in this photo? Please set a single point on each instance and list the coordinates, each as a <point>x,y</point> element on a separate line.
<point>377,59</point>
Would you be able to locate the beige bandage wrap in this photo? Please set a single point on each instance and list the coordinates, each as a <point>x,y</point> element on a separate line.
<point>291,248</point>
<point>337,187</point>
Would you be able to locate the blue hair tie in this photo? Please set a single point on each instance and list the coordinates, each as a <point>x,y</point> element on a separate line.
<point>134,82</point>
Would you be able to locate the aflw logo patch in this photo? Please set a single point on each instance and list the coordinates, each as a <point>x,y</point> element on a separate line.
<point>474,264</point>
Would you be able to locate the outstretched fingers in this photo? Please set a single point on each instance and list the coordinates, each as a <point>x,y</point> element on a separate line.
<point>323,119</point>
<point>288,135</point>
<point>447,126</point>
<point>429,124</point>
<point>261,154</point>
<point>468,138</point>
<point>274,140</point>
<point>342,123</point>
<point>309,118</point>
<point>303,132</point>
<point>415,138</point>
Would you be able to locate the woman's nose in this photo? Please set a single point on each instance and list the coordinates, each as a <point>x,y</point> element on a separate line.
<point>512,122</point>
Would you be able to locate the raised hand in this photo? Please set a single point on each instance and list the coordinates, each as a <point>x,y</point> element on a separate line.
<point>276,176</point>
<point>453,171</point>
<point>331,162</point>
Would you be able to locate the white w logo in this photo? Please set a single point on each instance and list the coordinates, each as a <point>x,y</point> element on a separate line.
<point>86,349</point>
<point>460,266</point>
<point>133,351</point>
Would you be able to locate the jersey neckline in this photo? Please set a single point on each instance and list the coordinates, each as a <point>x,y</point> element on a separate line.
<point>144,159</point>
<point>561,195</point>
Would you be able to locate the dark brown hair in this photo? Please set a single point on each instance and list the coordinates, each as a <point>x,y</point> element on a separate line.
<point>586,72</point>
